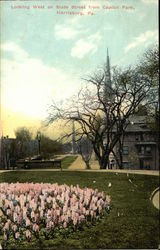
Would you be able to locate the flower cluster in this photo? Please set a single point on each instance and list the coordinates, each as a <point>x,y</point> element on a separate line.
<point>32,209</point>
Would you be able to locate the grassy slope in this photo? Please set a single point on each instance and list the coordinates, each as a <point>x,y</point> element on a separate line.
<point>138,223</point>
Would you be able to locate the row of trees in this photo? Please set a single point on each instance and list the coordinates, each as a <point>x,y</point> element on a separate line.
<point>103,121</point>
<point>26,145</point>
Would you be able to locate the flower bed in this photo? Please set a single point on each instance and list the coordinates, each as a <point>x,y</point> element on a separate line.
<point>38,210</point>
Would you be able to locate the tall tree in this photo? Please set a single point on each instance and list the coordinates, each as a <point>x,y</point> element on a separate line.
<point>85,150</point>
<point>49,147</point>
<point>149,67</point>
<point>103,120</point>
<point>23,136</point>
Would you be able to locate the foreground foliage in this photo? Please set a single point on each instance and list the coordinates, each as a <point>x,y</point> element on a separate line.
<point>42,209</point>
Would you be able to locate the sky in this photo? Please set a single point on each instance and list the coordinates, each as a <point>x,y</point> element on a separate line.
<point>45,54</point>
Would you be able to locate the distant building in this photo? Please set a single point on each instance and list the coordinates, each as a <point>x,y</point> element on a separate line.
<point>140,145</point>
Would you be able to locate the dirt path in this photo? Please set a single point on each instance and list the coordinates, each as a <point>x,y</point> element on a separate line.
<point>79,164</point>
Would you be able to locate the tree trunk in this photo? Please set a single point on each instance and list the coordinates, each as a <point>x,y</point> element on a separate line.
<point>121,158</point>
<point>118,161</point>
<point>103,158</point>
<point>104,161</point>
<point>87,165</point>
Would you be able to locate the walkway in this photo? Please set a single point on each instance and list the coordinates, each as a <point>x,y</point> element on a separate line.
<point>155,197</point>
<point>79,164</point>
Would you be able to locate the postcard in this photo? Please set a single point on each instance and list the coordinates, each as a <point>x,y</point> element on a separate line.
<point>79,92</point>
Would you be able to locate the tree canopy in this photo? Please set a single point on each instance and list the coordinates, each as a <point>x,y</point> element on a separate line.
<point>103,119</point>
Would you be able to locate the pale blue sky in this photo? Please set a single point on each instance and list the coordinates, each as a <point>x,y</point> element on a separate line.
<point>44,55</point>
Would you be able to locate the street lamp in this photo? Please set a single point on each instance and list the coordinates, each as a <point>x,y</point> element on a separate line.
<point>39,139</point>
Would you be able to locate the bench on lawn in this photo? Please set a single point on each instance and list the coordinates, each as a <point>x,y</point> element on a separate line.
<point>39,164</point>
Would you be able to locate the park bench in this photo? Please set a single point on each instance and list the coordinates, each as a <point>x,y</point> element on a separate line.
<point>39,164</point>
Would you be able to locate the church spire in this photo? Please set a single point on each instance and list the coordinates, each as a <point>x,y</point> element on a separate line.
<point>107,69</point>
<point>107,79</point>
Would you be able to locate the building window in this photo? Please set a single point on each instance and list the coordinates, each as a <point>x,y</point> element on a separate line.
<point>148,150</point>
<point>141,137</point>
<point>125,164</point>
<point>125,150</point>
<point>141,150</point>
<point>145,150</point>
<point>137,138</point>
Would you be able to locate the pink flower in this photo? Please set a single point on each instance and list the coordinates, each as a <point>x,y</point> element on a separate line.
<point>5,236</point>
<point>14,228</point>
<point>28,223</point>
<point>87,212</point>
<point>58,212</point>
<point>28,234</point>
<point>24,215</point>
<point>99,209</point>
<point>6,226</point>
<point>92,213</point>
<point>8,212</point>
<point>32,214</point>
<point>41,214</point>
<point>17,235</point>
<point>84,210</point>
<point>56,205</point>
<point>75,221</point>
<point>35,227</point>
<point>108,199</point>
<point>65,208</point>
<point>65,224</point>
<point>50,225</point>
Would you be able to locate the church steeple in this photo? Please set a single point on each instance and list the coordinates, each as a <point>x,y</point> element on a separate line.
<point>107,78</point>
<point>107,70</point>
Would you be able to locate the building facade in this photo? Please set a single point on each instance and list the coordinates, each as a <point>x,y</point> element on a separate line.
<point>140,146</point>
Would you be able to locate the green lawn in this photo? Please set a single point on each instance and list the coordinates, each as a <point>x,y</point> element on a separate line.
<point>133,221</point>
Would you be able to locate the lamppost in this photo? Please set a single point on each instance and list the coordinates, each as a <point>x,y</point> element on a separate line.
<point>39,139</point>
